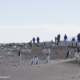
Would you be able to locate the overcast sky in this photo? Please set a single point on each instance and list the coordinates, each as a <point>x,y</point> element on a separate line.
<point>21,20</point>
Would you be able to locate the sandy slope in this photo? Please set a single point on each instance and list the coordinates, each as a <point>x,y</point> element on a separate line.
<point>57,69</point>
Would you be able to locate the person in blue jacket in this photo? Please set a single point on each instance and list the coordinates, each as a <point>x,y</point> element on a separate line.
<point>38,40</point>
<point>73,39</point>
<point>65,37</point>
<point>55,39</point>
<point>58,37</point>
<point>33,40</point>
<point>78,37</point>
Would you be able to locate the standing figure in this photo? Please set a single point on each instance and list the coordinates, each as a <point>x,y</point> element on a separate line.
<point>78,37</point>
<point>36,60</point>
<point>47,59</point>
<point>58,37</point>
<point>55,39</point>
<point>38,40</point>
<point>32,61</point>
<point>19,56</point>
<point>33,40</point>
<point>73,39</point>
<point>65,37</point>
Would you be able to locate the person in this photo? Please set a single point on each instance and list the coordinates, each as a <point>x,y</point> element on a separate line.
<point>10,45</point>
<point>65,37</point>
<point>38,40</point>
<point>55,39</point>
<point>68,53</point>
<point>47,59</point>
<point>58,37</point>
<point>76,56</point>
<point>33,40</point>
<point>32,61</point>
<point>73,39</point>
<point>36,60</point>
<point>78,37</point>
<point>19,56</point>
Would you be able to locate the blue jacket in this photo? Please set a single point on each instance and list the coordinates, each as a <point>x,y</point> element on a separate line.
<point>59,36</point>
<point>37,38</point>
<point>65,37</point>
<point>73,39</point>
<point>78,36</point>
<point>33,39</point>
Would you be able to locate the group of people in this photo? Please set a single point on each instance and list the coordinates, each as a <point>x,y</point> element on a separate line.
<point>65,38</point>
<point>33,40</point>
<point>38,39</point>
<point>59,36</point>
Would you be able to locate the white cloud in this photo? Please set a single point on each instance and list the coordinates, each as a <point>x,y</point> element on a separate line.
<point>45,32</point>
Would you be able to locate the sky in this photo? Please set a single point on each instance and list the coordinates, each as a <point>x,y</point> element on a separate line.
<point>21,20</point>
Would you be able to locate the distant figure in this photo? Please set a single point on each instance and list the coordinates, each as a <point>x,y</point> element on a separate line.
<point>76,56</point>
<point>47,59</point>
<point>73,39</point>
<point>38,40</point>
<point>78,37</point>
<point>68,53</point>
<point>10,45</point>
<point>58,37</point>
<point>55,39</point>
<point>65,37</point>
<point>19,56</point>
<point>33,40</point>
<point>32,61</point>
<point>36,60</point>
